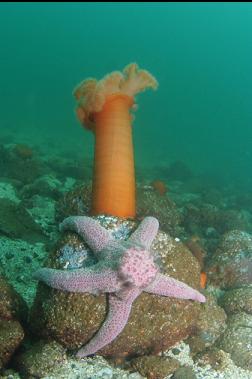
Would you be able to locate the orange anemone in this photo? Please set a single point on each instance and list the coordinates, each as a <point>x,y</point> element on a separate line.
<point>104,108</point>
<point>203,279</point>
<point>159,186</point>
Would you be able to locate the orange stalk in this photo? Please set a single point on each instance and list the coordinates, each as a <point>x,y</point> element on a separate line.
<point>114,177</point>
<point>104,107</point>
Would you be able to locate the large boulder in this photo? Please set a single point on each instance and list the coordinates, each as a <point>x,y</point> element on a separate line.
<point>231,264</point>
<point>12,309</point>
<point>236,339</point>
<point>16,222</point>
<point>155,324</point>
<point>238,300</point>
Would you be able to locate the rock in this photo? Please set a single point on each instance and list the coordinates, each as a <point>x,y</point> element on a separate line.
<point>11,332</point>
<point>12,306</point>
<point>237,338</point>
<point>23,151</point>
<point>212,195</point>
<point>42,210</point>
<point>154,367</point>
<point>39,360</point>
<point>46,185</point>
<point>214,357</point>
<point>9,374</point>
<point>11,335</point>
<point>16,222</point>
<point>149,203</point>
<point>74,168</point>
<point>17,184</point>
<point>231,264</point>
<point>202,216</point>
<point>238,300</point>
<point>194,245</point>
<point>210,325</point>
<point>155,324</point>
<point>7,191</point>
<point>232,219</point>
<point>184,373</point>
<point>90,368</point>
<point>18,260</point>
<point>75,202</point>
<point>18,166</point>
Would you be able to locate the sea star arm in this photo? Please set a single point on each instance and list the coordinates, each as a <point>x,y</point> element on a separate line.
<point>90,230</point>
<point>116,320</point>
<point>79,280</point>
<point>146,232</point>
<point>166,286</point>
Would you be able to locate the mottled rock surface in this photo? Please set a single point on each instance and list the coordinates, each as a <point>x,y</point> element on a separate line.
<point>237,338</point>
<point>184,373</point>
<point>210,325</point>
<point>16,222</point>
<point>238,300</point>
<point>40,359</point>
<point>11,332</point>
<point>155,367</point>
<point>231,264</point>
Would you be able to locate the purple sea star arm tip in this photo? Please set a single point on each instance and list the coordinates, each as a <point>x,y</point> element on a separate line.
<point>90,230</point>
<point>116,320</point>
<point>166,286</point>
<point>146,232</point>
<point>79,280</point>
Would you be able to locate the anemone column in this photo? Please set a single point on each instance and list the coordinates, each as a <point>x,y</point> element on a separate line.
<point>104,107</point>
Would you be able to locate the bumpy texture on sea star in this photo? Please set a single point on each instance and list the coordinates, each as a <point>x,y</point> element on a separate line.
<point>124,270</point>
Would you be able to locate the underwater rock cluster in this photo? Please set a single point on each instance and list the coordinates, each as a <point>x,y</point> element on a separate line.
<point>51,189</point>
<point>230,269</point>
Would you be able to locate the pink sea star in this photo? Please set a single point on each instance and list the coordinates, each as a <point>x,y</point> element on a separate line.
<point>124,270</point>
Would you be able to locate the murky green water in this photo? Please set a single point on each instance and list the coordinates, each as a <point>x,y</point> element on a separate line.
<point>199,52</point>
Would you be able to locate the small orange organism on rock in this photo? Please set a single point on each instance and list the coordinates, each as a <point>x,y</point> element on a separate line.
<point>23,151</point>
<point>159,186</point>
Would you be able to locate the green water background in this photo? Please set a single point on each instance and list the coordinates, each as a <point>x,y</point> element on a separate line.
<point>199,52</point>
